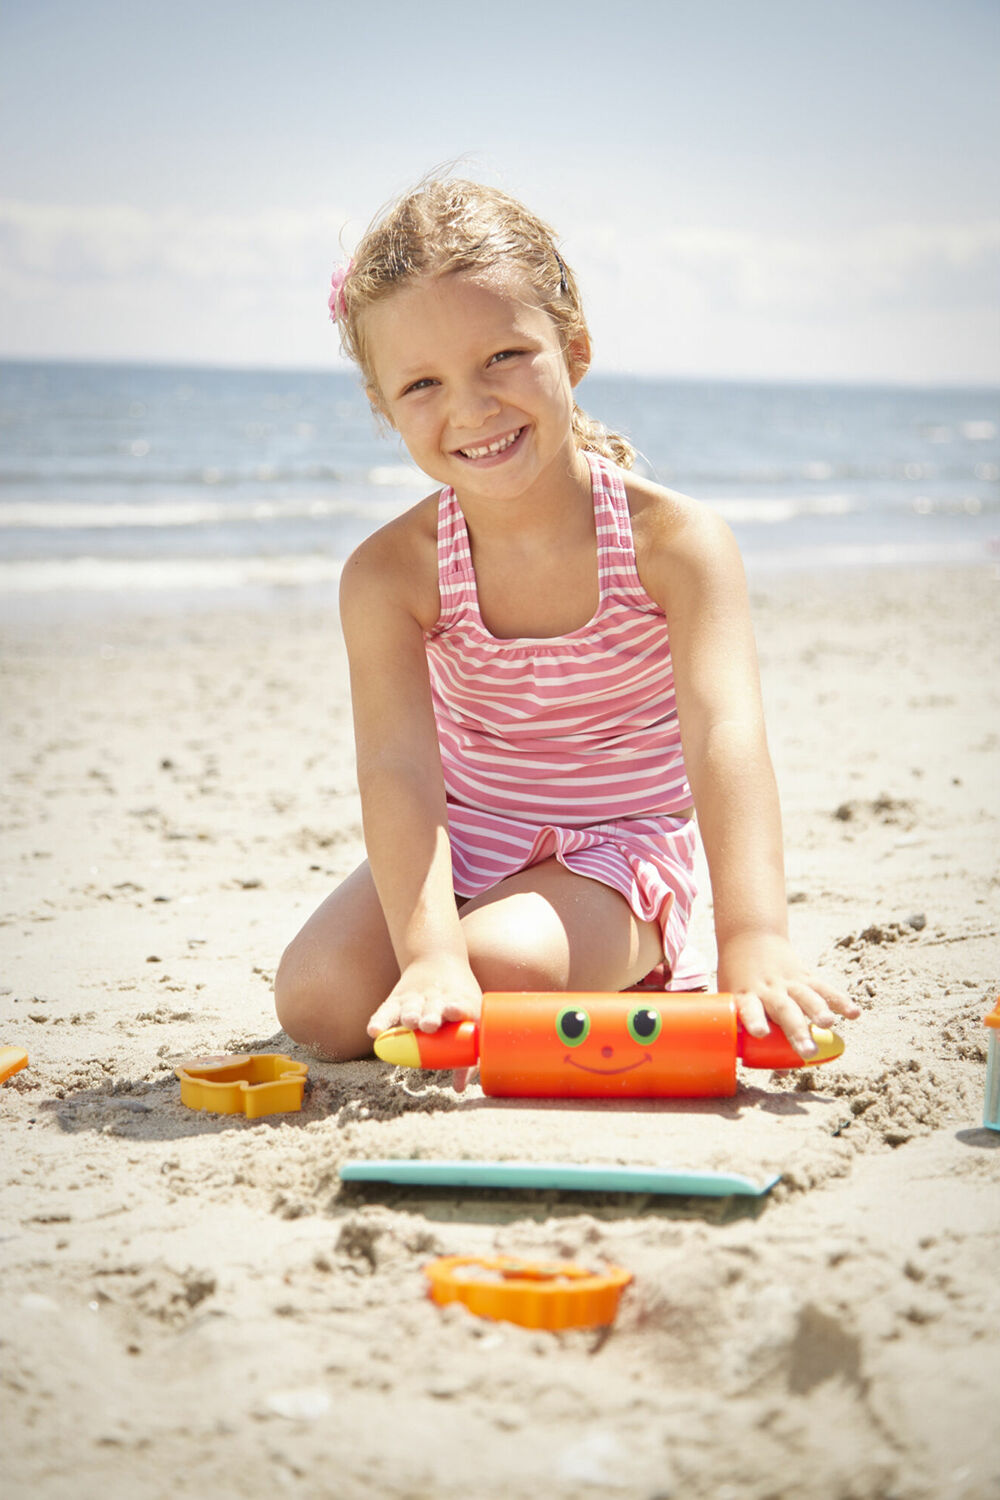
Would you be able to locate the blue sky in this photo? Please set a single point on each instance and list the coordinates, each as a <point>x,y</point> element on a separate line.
<point>747,188</point>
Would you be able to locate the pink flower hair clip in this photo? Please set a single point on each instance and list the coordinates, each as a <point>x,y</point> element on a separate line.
<point>336,301</point>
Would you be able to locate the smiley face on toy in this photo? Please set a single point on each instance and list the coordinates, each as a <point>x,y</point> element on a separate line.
<point>615,1045</point>
<point>623,1045</point>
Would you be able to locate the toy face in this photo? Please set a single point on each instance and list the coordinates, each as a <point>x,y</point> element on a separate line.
<point>612,1045</point>
<point>608,1044</point>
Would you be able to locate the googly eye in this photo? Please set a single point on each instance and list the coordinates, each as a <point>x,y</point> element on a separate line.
<point>572,1026</point>
<point>644,1025</point>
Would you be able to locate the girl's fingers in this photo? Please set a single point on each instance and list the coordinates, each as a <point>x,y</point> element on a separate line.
<point>795,1023</point>
<point>838,1002</point>
<point>795,1007</point>
<point>418,1012</point>
<point>813,1004</point>
<point>397,1010</point>
<point>784,1012</point>
<point>381,1019</point>
<point>454,1010</point>
<point>411,1011</point>
<point>750,1009</point>
<point>822,1003</point>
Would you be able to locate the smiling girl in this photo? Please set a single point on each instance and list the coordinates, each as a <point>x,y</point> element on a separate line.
<point>552,667</point>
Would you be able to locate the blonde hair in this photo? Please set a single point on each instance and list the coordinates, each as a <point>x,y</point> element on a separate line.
<point>446,225</point>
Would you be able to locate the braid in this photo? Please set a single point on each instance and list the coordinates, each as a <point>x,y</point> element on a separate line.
<point>594,437</point>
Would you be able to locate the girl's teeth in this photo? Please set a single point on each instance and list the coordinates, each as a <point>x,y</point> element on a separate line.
<point>491,449</point>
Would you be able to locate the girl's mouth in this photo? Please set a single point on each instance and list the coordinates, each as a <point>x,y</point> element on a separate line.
<point>497,448</point>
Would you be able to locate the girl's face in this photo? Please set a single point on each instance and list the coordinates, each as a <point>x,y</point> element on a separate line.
<point>472,375</point>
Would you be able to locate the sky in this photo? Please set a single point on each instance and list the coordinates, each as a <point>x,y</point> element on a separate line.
<point>747,189</point>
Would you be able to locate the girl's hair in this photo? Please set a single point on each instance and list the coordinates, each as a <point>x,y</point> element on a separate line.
<point>448,225</point>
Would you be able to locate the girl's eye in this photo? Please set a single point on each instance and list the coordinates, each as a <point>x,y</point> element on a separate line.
<point>419,385</point>
<point>644,1025</point>
<point>572,1026</point>
<point>504,354</point>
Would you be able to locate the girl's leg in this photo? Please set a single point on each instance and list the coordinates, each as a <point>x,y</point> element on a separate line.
<point>337,971</point>
<point>544,928</point>
<point>547,928</point>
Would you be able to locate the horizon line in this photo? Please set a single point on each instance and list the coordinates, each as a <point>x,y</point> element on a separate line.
<point>861,382</point>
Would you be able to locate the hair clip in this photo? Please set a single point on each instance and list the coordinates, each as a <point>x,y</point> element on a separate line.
<point>336,302</point>
<point>563,283</point>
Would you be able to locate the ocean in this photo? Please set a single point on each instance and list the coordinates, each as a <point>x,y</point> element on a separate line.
<point>139,487</point>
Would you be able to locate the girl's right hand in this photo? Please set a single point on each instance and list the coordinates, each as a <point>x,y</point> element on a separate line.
<point>428,993</point>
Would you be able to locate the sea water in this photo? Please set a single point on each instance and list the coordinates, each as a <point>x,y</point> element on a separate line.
<point>140,487</point>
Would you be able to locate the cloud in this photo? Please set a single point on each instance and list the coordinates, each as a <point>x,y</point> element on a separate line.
<point>897,301</point>
<point>85,244</point>
<point>118,281</point>
<point>945,263</point>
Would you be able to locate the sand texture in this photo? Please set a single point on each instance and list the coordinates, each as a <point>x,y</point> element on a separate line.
<point>194,1305</point>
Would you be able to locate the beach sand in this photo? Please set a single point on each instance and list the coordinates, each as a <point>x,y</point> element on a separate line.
<point>194,1305</point>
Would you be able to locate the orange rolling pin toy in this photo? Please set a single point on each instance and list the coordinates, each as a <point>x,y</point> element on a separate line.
<point>606,1045</point>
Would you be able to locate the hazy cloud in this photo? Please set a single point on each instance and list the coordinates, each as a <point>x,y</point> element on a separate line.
<point>122,281</point>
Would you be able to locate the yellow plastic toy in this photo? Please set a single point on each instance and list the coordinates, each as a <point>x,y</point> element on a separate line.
<point>534,1294</point>
<point>12,1060</point>
<point>252,1084</point>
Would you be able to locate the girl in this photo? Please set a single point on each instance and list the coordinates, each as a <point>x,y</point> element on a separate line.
<point>552,666</point>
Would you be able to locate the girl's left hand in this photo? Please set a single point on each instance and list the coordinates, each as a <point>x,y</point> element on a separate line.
<point>769,982</point>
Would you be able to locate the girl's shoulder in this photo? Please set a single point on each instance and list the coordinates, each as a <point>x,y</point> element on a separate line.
<point>675,536</point>
<point>662,517</point>
<point>400,559</point>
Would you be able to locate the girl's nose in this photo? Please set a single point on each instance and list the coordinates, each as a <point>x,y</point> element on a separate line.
<point>473,404</point>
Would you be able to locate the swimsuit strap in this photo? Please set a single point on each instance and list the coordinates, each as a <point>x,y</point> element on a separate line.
<point>616,562</point>
<point>456,576</point>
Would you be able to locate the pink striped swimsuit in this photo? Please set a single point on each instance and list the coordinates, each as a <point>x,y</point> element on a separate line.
<point>568,746</point>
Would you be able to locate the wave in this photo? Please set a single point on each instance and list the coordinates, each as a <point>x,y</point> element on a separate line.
<point>849,555</point>
<point>116,575</point>
<point>157,577</point>
<point>697,478</point>
<point>55,470</point>
<point>59,515</point>
<point>75,515</point>
<point>143,476</point>
<point>773,510</point>
<point>175,513</point>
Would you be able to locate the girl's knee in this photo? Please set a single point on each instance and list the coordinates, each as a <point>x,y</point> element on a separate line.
<point>336,972</point>
<point>288,991</point>
<point>310,1009</point>
<point>295,998</point>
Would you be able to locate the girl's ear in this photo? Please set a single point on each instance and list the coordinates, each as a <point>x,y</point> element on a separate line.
<point>578,357</point>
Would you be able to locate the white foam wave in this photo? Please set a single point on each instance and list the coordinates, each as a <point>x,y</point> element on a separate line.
<point>92,576</point>
<point>867,555</point>
<point>401,475</point>
<point>64,515</point>
<point>772,511</point>
<point>122,575</point>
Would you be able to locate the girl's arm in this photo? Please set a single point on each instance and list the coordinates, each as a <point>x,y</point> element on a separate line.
<point>695,572</point>
<point>401,784</point>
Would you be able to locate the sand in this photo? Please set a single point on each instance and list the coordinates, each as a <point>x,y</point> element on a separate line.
<point>195,1305</point>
